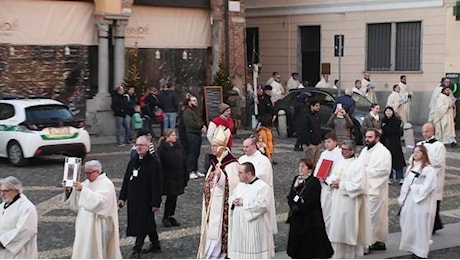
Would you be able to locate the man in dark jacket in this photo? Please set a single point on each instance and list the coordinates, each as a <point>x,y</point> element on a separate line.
<point>267,116</point>
<point>168,102</point>
<point>142,189</point>
<point>313,130</point>
<point>119,108</point>
<point>300,120</point>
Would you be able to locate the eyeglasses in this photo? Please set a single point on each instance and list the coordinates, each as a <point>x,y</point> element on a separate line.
<point>347,149</point>
<point>5,191</point>
<point>91,172</point>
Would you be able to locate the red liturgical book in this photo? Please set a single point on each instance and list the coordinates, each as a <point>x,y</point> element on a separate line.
<point>324,169</point>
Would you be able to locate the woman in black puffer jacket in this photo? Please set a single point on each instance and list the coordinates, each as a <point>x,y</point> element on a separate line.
<point>175,174</point>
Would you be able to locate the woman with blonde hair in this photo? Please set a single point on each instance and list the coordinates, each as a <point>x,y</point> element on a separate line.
<point>175,175</point>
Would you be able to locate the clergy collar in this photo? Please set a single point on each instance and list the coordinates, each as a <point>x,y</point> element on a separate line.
<point>254,180</point>
<point>430,140</point>
<point>7,204</point>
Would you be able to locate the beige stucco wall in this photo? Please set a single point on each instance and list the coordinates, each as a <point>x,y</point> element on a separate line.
<point>279,44</point>
<point>452,60</point>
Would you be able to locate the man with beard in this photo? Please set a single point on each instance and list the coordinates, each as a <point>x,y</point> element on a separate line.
<point>377,161</point>
<point>313,130</point>
<point>332,153</point>
<point>350,225</point>
<point>194,127</point>
<point>437,155</point>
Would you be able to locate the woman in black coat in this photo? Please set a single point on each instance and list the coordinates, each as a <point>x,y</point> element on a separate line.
<point>175,174</point>
<point>307,232</point>
<point>300,120</point>
<point>391,138</point>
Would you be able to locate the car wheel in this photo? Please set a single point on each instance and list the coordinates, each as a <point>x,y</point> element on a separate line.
<point>15,154</point>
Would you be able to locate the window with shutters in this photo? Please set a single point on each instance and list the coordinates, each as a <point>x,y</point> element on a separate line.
<point>394,46</point>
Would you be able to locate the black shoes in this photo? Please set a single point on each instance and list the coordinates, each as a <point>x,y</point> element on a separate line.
<point>414,256</point>
<point>174,222</point>
<point>298,149</point>
<point>377,246</point>
<point>453,144</point>
<point>166,222</point>
<point>170,222</point>
<point>135,255</point>
<point>153,248</point>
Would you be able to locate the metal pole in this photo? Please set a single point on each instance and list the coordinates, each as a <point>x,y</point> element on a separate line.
<point>255,75</point>
<point>340,64</point>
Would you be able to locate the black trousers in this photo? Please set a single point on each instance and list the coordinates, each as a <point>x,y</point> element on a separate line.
<point>437,220</point>
<point>153,237</point>
<point>170,206</point>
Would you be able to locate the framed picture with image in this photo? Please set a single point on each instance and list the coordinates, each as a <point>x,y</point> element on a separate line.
<point>72,168</point>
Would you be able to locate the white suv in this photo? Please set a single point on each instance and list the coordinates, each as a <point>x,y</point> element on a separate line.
<point>35,127</point>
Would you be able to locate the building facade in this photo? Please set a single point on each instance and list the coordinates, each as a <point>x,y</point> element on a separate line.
<point>389,38</point>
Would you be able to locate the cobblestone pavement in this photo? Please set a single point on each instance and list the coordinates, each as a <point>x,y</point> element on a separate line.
<point>42,180</point>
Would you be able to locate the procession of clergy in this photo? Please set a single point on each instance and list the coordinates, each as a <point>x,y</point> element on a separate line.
<point>238,208</point>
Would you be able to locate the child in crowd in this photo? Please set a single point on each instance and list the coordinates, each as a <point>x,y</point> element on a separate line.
<point>261,145</point>
<point>136,120</point>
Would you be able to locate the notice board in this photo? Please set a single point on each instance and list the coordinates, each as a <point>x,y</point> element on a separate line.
<point>213,96</point>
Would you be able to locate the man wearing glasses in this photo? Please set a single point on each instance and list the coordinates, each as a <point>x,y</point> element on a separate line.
<point>96,226</point>
<point>350,224</point>
<point>142,190</point>
<point>18,222</point>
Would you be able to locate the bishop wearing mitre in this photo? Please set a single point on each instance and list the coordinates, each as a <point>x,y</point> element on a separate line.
<point>220,181</point>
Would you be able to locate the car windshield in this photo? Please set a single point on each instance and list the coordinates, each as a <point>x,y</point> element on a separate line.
<point>361,101</point>
<point>45,113</point>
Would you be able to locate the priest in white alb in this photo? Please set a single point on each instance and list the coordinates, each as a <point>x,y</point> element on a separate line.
<point>406,93</point>
<point>333,154</point>
<point>377,162</point>
<point>96,226</point>
<point>397,102</point>
<point>264,171</point>
<point>18,222</point>
<point>250,231</point>
<point>220,181</point>
<point>350,229</point>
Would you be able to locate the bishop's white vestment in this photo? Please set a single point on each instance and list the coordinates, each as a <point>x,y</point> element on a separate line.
<point>377,163</point>
<point>419,210</point>
<point>250,231</point>
<point>96,226</point>
<point>326,192</point>
<point>264,171</point>
<point>350,227</point>
<point>405,92</point>
<point>213,216</point>
<point>18,229</point>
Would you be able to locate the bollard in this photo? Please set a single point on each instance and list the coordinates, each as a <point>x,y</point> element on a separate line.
<point>408,135</point>
<point>282,124</point>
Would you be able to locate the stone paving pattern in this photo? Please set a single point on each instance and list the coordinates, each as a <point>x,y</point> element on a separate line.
<point>42,180</point>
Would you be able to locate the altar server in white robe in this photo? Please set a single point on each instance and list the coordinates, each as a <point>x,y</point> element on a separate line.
<point>220,181</point>
<point>18,222</point>
<point>264,171</point>
<point>445,82</point>
<point>437,155</point>
<point>250,232</point>
<point>369,87</point>
<point>397,101</point>
<point>418,202</point>
<point>377,162</point>
<point>96,226</point>
<point>350,229</point>
<point>406,93</point>
<point>333,154</point>
<point>444,116</point>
